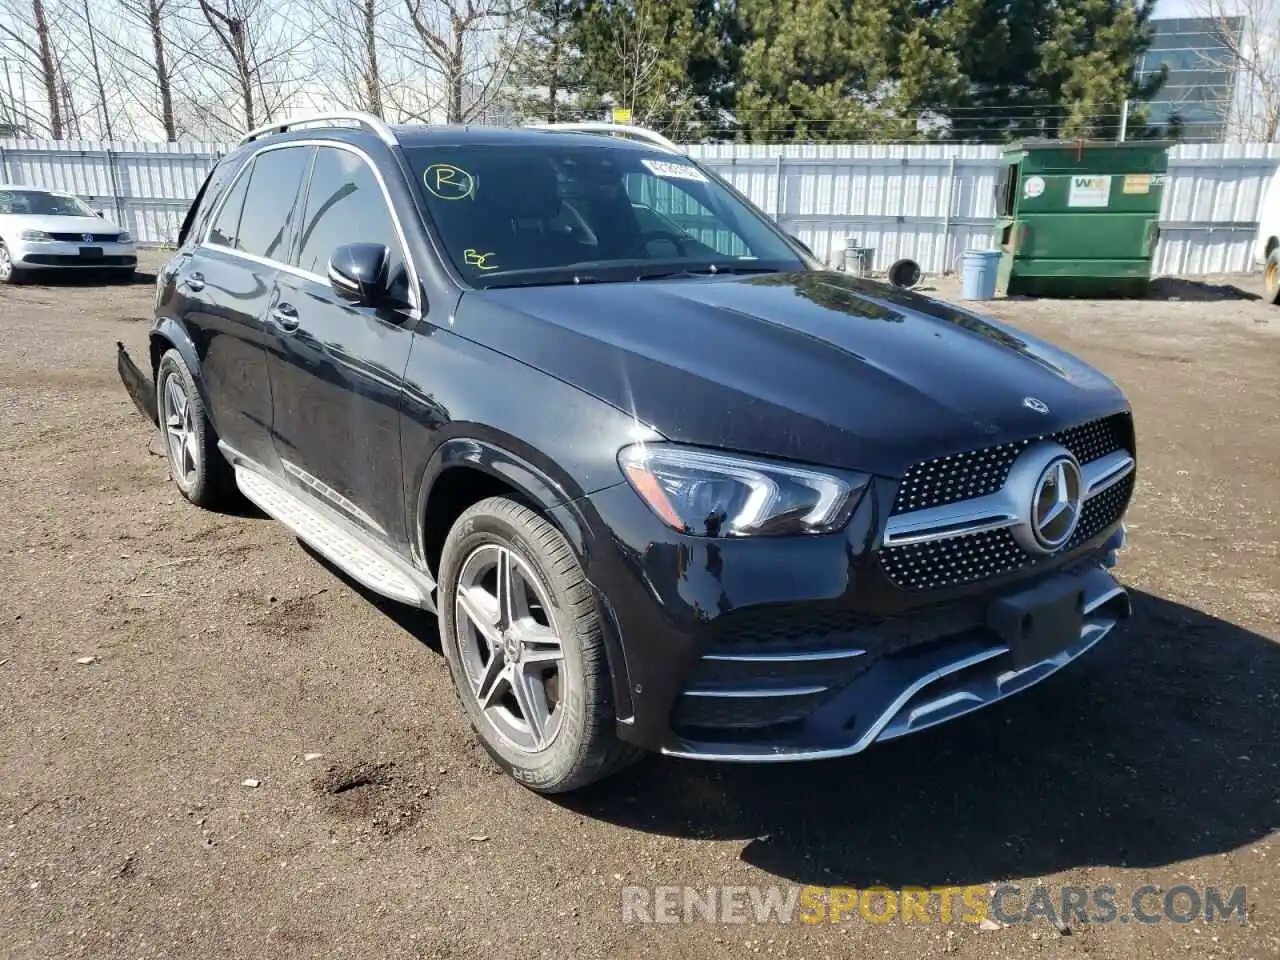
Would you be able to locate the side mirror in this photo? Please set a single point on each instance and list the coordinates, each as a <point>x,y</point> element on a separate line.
<point>358,273</point>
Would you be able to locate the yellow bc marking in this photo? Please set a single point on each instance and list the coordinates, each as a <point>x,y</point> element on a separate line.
<point>448,182</point>
<point>478,260</point>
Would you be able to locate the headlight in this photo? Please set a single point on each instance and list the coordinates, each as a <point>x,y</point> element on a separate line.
<point>124,237</point>
<point>36,236</point>
<point>711,494</point>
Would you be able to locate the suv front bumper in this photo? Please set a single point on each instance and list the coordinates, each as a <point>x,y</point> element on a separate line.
<point>802,648</point>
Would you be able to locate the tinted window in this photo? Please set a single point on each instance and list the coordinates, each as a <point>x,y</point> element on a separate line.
<point>227,223</point>
<point>268,208</point>
<point>42,203</point>
<point>345,204</point>
<point>553,212</point>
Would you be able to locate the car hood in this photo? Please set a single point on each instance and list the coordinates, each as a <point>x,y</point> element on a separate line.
<point>35,221</point>
<point>813,366</point>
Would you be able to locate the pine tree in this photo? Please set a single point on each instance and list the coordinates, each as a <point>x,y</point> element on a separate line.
<point>1048,68</point>
<point>841,70</point>
<point>660,59</point>
<point>546,68</point>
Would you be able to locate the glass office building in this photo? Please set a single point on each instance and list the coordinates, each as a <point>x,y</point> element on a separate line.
<point>1196,100</point>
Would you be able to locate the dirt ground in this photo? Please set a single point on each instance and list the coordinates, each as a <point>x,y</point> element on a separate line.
<point>223,652</point>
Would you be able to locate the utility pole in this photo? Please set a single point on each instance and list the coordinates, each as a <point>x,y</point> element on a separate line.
<point>1124,120</point>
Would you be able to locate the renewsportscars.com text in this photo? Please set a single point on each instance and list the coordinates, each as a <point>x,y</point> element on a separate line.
<point>1004,903</point>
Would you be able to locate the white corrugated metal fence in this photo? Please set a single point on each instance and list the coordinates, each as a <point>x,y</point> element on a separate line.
<point>929,202</point>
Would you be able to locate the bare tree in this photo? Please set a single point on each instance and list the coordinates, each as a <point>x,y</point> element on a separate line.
<point>1248,32</point>
<point>95,65</point>
<point>351,64</point>
<point>248,49</point>
<point>27,37</point>
<point>462,44</point>
<point>150,63</point>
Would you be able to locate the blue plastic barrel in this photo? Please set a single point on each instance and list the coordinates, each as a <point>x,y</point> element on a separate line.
<point>978,270</point>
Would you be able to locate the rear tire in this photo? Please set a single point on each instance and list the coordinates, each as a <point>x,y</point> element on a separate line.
<point>1271,277</point>
<point>196,465</point>
<point>531,648</point>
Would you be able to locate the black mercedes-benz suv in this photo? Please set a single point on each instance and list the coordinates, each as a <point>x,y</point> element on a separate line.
<point>668,483</point>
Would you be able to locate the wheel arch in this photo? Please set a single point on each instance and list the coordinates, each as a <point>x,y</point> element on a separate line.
<point>463,471</point>
<point>169,334</point>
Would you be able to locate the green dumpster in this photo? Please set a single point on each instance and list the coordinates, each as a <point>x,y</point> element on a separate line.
<point>1079,218</point>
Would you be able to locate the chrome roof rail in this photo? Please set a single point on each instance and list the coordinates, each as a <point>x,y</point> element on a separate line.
<point>651,137</point>
<point>366,120</point>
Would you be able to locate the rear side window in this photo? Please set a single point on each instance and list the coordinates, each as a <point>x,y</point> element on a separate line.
<point>268,204</point>
<point>227,223</point>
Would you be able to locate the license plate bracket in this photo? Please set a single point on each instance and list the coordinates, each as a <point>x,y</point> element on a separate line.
<point>1039,622</point>
<point>91,252</point>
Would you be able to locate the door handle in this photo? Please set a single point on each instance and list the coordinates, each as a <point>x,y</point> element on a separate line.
<point>193,282</point>
<point>286,316</point>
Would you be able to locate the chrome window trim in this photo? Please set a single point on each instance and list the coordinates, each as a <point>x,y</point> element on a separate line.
<point>415,291</point>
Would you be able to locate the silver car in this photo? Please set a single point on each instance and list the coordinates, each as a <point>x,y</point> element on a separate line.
<point>42,230</point>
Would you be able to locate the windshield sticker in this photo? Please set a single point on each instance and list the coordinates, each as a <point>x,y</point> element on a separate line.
<point>675,171</point>
<point>448,182</point>
<point>480,261</point>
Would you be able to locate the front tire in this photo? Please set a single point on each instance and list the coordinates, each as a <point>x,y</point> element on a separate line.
<point>1271,277</point>
<point>521,631</point>
<point>9,273</point>
<point>197,467</point>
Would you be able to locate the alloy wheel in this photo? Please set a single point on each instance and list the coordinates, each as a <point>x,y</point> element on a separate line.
<point>6,264</point>
<point>184,449</point>
<point>509,646</point>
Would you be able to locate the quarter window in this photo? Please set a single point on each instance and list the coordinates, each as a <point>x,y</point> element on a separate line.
<point>345,204</point>
<point>269,204</point>
<point>227,223</point>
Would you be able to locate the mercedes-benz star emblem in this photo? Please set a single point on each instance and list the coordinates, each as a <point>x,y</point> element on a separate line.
<point>1055,505</point>
<point>1031,403</point>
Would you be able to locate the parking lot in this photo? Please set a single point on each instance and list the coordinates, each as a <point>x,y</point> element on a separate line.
<point>222,652</point>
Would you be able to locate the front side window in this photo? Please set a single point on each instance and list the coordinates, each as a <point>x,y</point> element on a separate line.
<point>566,212</point>
<point>345,204</point>
<point>43,204</point>
<point>268,206</point>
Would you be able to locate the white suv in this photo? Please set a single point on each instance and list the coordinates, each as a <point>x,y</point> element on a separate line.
<point>43,230</point>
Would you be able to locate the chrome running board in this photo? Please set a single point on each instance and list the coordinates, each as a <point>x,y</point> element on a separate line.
<point>352,551</point>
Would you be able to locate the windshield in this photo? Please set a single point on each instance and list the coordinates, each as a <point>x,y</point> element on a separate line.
<point>588,213</point>
<point>40,203</point>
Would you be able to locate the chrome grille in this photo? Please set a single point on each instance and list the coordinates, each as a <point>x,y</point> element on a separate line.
<point>977,473</point>
<point>980,556</point>
<point>948,563</point>
<point>1101,511</point>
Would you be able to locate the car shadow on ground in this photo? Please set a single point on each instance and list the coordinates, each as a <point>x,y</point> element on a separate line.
<point>1158,747</point>
<point>1176,288</point>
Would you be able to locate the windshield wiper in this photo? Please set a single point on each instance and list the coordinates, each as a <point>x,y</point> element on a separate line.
<point>710,270</point>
